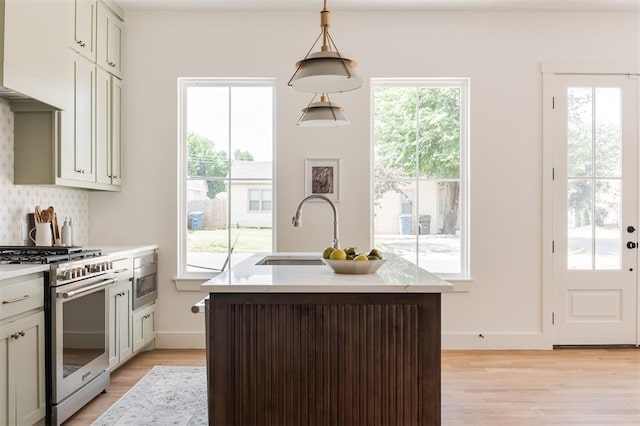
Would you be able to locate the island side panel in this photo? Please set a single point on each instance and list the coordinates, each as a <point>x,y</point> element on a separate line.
<point>312,359</point>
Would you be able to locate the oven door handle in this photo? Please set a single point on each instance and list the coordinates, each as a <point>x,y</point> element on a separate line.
<point>87,289</point>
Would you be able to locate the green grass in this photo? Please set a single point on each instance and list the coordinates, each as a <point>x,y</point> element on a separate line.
<point>217,240</point>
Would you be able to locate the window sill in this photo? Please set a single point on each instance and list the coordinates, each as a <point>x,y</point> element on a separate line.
<point>460,285</point>
<point>189,284</point>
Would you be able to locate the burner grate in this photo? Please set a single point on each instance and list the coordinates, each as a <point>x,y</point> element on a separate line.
<point>39,254</point>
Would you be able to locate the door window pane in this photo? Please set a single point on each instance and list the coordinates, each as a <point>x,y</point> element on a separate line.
<point>608,230</point>
<point>579,232</point>
<point>594,151</point>
<point>608,131</point>
<point>579,131</point>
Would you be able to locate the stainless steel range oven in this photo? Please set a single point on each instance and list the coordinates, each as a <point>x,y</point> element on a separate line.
<point>79,352</point>
<point>76,316</point>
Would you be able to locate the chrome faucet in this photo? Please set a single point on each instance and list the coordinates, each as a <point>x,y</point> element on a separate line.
<point>297,222</point>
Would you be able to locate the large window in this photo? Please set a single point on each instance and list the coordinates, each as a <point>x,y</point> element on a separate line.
<point>420,131</point>
<point>226,172</point>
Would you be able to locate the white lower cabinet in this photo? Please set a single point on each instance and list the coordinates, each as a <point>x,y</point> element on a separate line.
<point>120,323</point>
<point>22,381</point>
<point>143,327</point>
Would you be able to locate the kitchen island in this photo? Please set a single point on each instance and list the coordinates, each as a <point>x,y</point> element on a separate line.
<point>298,344</point>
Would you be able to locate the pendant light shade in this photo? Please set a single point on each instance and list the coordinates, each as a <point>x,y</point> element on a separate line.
<point>325,71</point>
<point>322,114</point>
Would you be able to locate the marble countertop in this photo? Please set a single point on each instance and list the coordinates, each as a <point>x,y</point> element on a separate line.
<point>124,250</point>
<point>10,271</point>
<point>397,275</point>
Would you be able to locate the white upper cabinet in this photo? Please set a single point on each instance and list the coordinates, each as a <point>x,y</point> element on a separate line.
<point>109,40</point>
<point>84,32</point>
<point>79,142</point>
<point>108,100</point>
<point>78,152</point>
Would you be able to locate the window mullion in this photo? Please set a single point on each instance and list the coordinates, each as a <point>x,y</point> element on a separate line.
<point>417,174</point>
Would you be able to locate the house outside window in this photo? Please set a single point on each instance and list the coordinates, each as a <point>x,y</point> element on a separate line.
<point>226,135</point>
<point>420,144</point>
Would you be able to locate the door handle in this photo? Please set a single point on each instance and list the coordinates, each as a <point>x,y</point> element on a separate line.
<point>631,229</point>
<point>631,245</point>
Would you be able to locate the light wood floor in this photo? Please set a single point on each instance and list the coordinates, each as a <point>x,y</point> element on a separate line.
<point>559,387</point>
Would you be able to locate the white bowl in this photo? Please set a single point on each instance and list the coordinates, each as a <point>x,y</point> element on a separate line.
<point>355,266</point>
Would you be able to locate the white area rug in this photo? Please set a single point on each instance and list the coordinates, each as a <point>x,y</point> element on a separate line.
<point>165,396</point>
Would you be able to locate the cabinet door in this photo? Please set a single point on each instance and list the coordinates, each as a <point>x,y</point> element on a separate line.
<point>150,327</point>
<point>125,323</point>
<point>116,131</point>
<point>109,41</point>
<point>120,323</point>
<point>143,327</point>
<point>77,144</point>
<point>103,126</point>
<point>115,46</point>
<point>84,28</point>
<point>22,392</point>
<point>5,337</point>
<point>112,332</point>
<point>138,330</point>
<point>84,114</point>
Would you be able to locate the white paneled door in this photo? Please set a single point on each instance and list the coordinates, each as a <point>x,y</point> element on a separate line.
<point>595,209</point>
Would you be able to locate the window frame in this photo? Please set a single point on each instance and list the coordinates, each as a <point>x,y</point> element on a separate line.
<point>465,206</point>
<point>183,84</point>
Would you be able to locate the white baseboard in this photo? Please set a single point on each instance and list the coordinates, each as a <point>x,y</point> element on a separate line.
<point>180,340</point>
<point>513,341</point>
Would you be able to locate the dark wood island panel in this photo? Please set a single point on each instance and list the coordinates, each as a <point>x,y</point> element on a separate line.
<point>324,359</point>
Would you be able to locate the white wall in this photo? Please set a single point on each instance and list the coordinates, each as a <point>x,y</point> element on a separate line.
<point>501,53</point>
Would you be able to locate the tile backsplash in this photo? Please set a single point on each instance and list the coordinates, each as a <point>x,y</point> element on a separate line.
<point>16,201</point>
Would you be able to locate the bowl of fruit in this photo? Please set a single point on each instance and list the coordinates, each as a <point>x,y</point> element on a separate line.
<point>350,261</point>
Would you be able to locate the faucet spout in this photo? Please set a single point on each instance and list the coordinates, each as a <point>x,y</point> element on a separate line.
<point>297,219</point>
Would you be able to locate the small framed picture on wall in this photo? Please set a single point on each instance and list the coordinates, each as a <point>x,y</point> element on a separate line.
<point>321,177</point>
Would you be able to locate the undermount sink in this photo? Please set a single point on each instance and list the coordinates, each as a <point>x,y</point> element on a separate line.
<point>290,260</point>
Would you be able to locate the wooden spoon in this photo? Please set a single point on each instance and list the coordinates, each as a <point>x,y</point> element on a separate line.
<point>44,216</point>
<point>37,215</point>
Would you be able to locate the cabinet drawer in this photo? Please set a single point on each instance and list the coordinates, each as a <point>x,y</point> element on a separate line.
<point>21,295</point>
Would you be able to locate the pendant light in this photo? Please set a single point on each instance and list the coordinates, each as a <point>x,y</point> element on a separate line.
<point>322,114</point>
<point>325,71</point>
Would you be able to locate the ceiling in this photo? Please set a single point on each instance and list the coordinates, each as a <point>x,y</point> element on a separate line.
<point>384,4</point>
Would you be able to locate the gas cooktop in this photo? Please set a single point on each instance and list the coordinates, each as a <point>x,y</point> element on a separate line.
<point>42,254</point>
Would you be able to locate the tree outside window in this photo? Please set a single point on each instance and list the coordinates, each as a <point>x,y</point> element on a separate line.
<point>420,172</point>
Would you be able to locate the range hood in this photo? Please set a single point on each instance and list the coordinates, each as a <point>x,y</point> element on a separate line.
<point>34,51</point>
<point>12,95</point>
